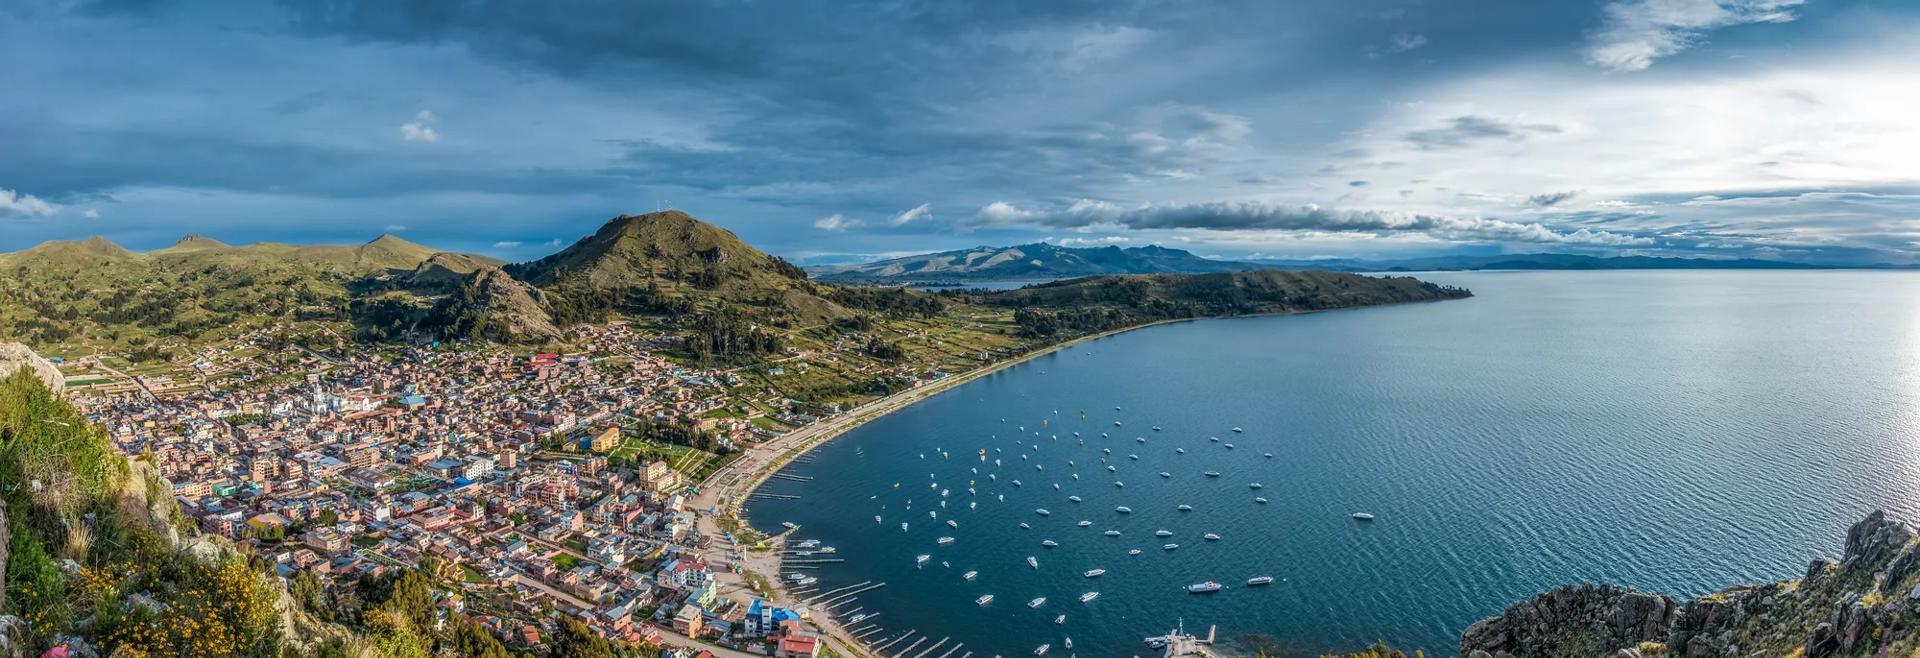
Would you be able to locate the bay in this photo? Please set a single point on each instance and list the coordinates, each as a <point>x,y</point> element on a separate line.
<point>1674,431</point>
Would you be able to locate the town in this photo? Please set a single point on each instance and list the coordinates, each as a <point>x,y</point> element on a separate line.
<point>539,484</point>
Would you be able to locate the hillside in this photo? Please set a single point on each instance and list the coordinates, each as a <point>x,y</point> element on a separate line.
<point>1860,605</point>
<point>1030,261</point>
<point>492,306</point>
<point>93,295</point>
<point>670,263</point>
<point>94,558</point>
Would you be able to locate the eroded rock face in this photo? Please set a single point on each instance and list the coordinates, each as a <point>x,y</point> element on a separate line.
<point>15,356</point>
<point>1573,620</point>
<point>1857,606</point>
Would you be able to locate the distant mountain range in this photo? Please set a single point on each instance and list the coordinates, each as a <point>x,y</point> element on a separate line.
<point>1032,261</point>
<point>1047,261</point>
<point>1535,262</point>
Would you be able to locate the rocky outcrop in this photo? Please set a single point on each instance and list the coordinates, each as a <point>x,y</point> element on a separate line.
<point>15,356</point>
<point>1583,620</point>
<point>1858,606</point>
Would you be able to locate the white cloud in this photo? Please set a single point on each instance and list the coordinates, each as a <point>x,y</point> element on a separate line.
<point>553,243</point>
<point>918,212</point>
<point>1398,43</point>
<point>1263,216</point>
<point>396,228</point>
<point>836,223</point>
<point>421,128</point>
<point>90,213</point>
<point>1637,32</point>
<point>506,244</point>
<point>20,204</point>
<point>1841,122</point>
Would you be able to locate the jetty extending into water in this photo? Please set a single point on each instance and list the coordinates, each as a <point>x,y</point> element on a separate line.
<point>1178,644</point>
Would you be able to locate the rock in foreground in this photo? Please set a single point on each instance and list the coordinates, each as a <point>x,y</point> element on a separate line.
<point>1859,606</point>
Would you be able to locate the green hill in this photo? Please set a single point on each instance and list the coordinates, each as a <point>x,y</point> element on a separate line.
<point>670,263</point>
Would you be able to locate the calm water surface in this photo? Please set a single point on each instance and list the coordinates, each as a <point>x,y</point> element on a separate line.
<point>1674,431</point>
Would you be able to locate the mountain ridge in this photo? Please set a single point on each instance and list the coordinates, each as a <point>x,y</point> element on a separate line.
<point>1034,260</point>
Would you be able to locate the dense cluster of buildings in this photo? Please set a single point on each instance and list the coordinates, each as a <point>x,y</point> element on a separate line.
<point>505,471</point>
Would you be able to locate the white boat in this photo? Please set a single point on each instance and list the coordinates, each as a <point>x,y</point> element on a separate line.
<point>970,575</point>
<point>1089,597</point>
<point>1363,516</point>
<point>1113,533</point>
<point>1228,445</point>
<point>1074,498</point>
<point>1084,524</point>
<point>983,600</point>
<point>1134,552</point>
<point>1185,508</point>
<point>903,526</point>
<point>1016,483</point>
<point>1269,455</point>
<point>1061,619</point>
<point>1118,483</point>
<point>1165,474</point>
<point>1237,430</point>
<point>1042,511</point>
<point>1042,650</point>
<point>1133,457</point>
<point>1163,533</point>
<point>1156,428</point>
<point>1037,602</point>
<point>1260,580</point>
<point>1212,474</point>
<point>1095,573</point>
<point>952,524</point>
<point>1110,468</point>
<point>1123,509</point>
<point>1069,643</point>
<point>1258,499</point>
<point>1255,485</point>
<point>1049,543</point>
<point>922,559</point>
<point>1107,451</point>
<point>1032,562</point>
<point>944,541</point>
<point>1170,546</point>
<point>1024,526</point>
<point>1214,439</point>
<point>876,519</point>
<point>1140,439</point>
<point>1210,537</point>
<point>1208,586</point>
<point>1180,451</point>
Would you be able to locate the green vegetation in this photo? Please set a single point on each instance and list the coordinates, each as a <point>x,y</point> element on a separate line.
<point>69,497</point>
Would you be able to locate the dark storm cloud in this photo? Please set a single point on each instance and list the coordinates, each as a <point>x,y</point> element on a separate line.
<point>1551,198</point>
<point>1465,130</point>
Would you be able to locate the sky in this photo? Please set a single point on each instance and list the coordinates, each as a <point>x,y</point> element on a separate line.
<point>843,132</point>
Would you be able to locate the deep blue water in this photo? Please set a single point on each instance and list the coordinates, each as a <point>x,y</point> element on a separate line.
<point>1674,431</point>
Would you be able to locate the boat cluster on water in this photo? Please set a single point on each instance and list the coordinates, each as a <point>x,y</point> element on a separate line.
<point>1028,449</point>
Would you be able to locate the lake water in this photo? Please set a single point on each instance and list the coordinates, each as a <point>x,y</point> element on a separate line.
<point>1673,431</point>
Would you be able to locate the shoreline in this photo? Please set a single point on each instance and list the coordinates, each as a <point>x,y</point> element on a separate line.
<point>728,497</point>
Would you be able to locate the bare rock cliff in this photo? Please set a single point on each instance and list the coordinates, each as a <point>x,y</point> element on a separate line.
<point>1863,605</point>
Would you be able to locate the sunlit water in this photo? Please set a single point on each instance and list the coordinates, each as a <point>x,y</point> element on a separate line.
<point>1673,431</point>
